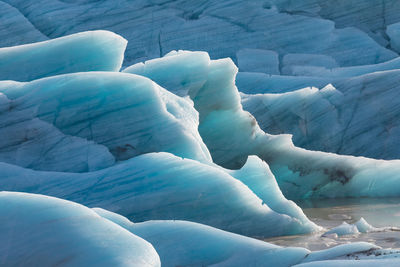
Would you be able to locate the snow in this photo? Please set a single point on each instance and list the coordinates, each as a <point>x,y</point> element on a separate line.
<point>46,231</point>
<point>87,51</point>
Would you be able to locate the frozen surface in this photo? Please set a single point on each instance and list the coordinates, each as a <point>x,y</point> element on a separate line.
<point>343,119</point>
<point>183,243</point>
<point>40,230</point>
<point>393,31</point>
<point>258,60</point>
<point>124,114</point>
<point>343,229</point>
<point>232,134</point>
<point>86,51</point>
<point>163,186</point>
<point>15,29</point>
<point>380,226</point>
<point>351,32</point>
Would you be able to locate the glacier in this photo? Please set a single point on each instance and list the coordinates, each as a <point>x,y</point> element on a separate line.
<point>87,51</point>
<point>78,236</point>
<point>164,186</point>
<point>42,230</point>
<point>185,157</point>
<point>139,117</point>
<point>232,134</point>
<point>349,31</point>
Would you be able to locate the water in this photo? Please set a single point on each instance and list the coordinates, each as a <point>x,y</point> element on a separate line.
<point>332,212</point>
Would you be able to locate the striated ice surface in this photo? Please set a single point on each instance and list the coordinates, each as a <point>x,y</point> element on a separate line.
<point>232,134</point>
<point>15,28</point>
<point>86,51</point>
<point>393,31</point>
<point>163,186</point>
<point>183,243</point>
<point>258,60</point>
<point>342,119</point>
<point>127,114</point>
<point>40,230</point>
<point>352,32</point>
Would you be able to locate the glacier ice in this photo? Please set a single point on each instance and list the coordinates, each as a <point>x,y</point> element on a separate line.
<point>86,51</point>
<point>343,229</point>
<point>232,134</point>
<point>82,135</point>
<point>222,29</point>
<point>15,28</point>
<point>163,186</point>
<point>343,119</point>
<point>128,114</point>
<point>393,31</point>
<point>40,230</point>
<point>258,60</point>
<point>361,226</point>
<point>183,243</point>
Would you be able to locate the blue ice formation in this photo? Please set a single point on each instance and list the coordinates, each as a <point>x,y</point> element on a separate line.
<point>86,51</point>
<point>352,32</point>
<point>182,243</point>
<point>83,108</point>
<point>46,231</point>
<point>155,141</point>
<point>163,186</point>
<point>43,230</point>
<point>232,134</point>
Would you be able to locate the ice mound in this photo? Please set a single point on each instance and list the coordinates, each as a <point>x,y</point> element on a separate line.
<point>127,114</point>
<point>40,230</point>
<point>342,119</point>
<point>343,229</point>
<point>85,51</point>
<point>183,243</point>
<point>163,186</point>
<point>361,226</point>
<point>232,134</point>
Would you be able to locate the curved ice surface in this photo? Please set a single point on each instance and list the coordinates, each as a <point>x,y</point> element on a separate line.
<point>183,243</point>
<point>163,186</point>
<point>232,134</point>
<point>40,230</point>
<point>85,51</point>
<point>344,119</point>
<point>128,114</point>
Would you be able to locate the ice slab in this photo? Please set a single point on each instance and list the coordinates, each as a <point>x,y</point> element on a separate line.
<point>163,186</point>
<point>127,114</point>
<point>85,51</point>
<point>232,134</point>
<point>183,243</point>
<point>46,231</point>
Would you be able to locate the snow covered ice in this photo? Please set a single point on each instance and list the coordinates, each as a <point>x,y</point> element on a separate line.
<point>168,140</point>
